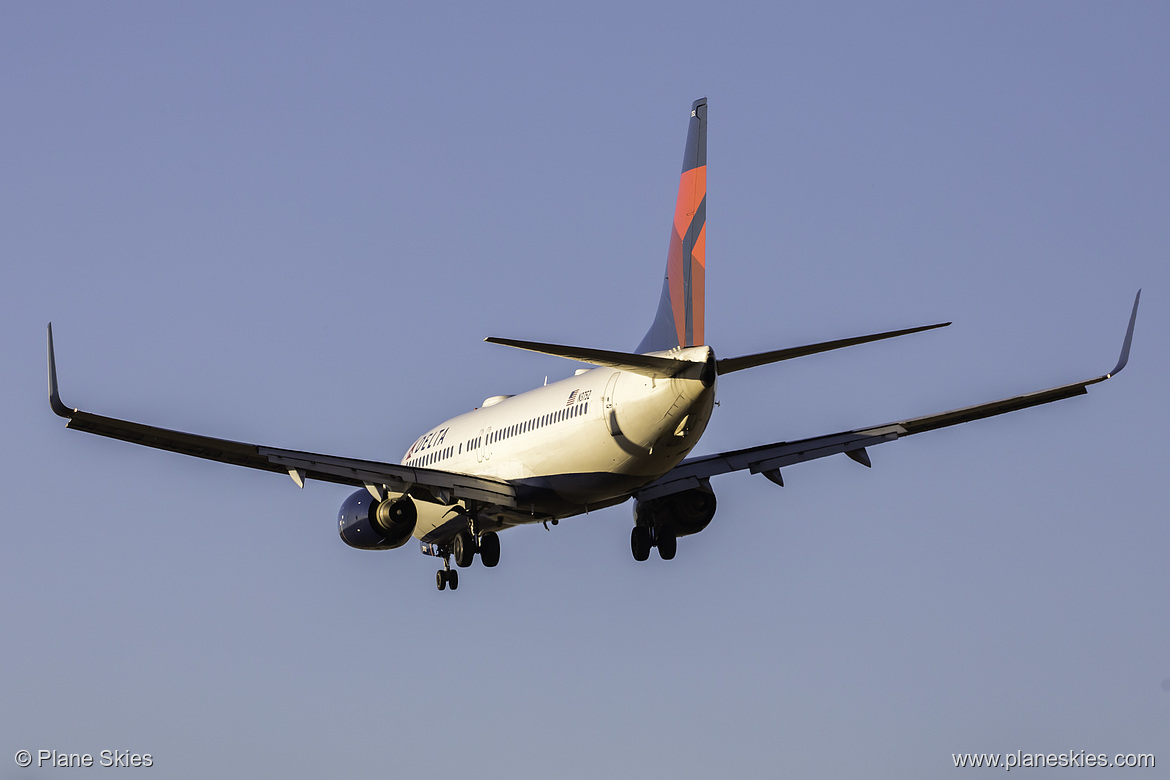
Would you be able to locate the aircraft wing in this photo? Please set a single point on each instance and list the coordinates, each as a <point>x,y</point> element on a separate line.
<point>768,459</point>
<point>443,485</point>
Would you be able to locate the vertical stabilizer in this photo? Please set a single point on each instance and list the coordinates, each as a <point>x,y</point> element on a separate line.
<point>679,320</point>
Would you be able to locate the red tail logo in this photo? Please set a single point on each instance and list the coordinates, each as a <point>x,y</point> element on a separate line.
<point>679,320</point>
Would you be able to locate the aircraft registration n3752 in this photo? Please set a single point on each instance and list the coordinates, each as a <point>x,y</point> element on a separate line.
<point>622,429</point>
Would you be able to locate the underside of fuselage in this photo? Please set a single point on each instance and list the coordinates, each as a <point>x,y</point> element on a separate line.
<point>539,500</point>
<point>640,428</point>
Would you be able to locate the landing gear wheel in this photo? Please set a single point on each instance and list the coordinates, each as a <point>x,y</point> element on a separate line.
<point>667,544</point>
<point>463,549</point>
<point>489,549</point>
<point>640,542</point>
<point>445,577</point>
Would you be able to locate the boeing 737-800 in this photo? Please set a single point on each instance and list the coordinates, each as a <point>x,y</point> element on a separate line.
<point>620,430</point>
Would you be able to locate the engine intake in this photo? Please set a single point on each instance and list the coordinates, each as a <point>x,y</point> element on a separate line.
<point>684,513</point>
<point>366,524</point>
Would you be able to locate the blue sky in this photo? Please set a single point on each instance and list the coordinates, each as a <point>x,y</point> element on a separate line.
<point>293,225</point>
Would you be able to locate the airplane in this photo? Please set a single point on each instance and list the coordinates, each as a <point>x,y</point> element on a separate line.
<point>621,429</point>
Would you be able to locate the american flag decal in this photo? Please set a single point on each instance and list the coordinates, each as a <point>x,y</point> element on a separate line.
<point>572,398</point>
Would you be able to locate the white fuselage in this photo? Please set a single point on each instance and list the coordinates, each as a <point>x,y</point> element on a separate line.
<point>580,443</point>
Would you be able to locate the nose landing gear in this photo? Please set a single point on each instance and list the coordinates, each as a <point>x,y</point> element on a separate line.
<point>446,576</point>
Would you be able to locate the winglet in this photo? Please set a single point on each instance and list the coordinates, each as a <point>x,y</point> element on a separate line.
<point>1121,361</point>
<point>55,404</point>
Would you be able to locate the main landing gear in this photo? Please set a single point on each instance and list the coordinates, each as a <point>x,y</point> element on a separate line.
<point>643,537</point>
<point>463,548</point>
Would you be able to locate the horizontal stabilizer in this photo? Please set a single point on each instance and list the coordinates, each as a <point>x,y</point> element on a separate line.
<point>647,365</point>
<point>727,365</point>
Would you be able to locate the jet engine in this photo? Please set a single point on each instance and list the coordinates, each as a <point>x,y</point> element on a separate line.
<point>684,513</point>
<point>366,524</point>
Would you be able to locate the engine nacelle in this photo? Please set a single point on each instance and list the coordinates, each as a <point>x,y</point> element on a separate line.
<point>368,525</point>
<point>684,513</point>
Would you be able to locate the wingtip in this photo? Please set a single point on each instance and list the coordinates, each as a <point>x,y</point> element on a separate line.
<point>1124,358</point>
<point>59,408</point>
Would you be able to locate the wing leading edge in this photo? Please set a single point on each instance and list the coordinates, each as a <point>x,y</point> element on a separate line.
<point>768,459</point>
<point>443,485</point>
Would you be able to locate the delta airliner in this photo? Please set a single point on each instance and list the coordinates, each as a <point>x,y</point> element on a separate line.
<point>620,430</point>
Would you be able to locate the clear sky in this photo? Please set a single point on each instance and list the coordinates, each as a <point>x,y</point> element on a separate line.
<point>293,223</point>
